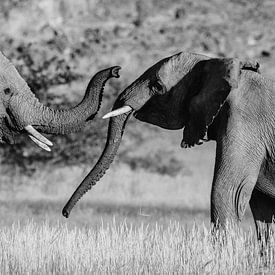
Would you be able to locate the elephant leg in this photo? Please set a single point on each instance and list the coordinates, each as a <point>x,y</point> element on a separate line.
<point>263,210</point>
<point>229,201</point>
<point>236,172</point>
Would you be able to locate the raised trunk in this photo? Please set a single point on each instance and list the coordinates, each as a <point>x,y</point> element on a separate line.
<point>24,109</point>
<point>115,132</point>
<point>65,121</point>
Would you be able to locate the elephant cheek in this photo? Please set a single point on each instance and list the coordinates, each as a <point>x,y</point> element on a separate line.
<point>138,101</point>
<point>20,113</point>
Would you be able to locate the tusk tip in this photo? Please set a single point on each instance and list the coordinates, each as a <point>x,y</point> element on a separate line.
<point>37,135</point>
<point>40,144</point>
<point>106,116</point>
<point>119,111</point>
<point>50,143</point>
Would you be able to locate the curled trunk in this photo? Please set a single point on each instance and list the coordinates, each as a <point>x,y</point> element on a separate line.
<point>115,132</point>
<point>65,121</point>
<point>25,109</point>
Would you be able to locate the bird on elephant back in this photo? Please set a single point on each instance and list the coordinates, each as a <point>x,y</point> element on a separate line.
<point>21,111</point>
<point>221,99</point>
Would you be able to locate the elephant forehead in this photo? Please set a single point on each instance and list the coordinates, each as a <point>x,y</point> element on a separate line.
<point>177,66</point>
<point>10,75</point>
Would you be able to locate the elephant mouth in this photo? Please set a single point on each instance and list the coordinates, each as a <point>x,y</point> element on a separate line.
<point>11,130</point>
<point>7,134</point>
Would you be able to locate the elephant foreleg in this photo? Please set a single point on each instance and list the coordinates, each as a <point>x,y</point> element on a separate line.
<point>229,202</point>
<point>236,172</point>
<point>263,210</point>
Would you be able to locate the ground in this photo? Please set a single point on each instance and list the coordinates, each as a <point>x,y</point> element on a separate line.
<point>58,45</point>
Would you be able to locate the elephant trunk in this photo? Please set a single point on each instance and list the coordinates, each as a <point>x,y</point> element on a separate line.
<point>25,109</point>
<point>115,132</point>
<point>65,121</point>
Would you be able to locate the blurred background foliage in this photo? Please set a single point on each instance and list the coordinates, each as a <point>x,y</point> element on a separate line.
<point>58,45</point>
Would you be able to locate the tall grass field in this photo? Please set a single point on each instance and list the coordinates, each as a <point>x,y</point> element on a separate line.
<point>119,248</point>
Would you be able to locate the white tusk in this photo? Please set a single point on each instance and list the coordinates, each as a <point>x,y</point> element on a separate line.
<point>37,135</point>
<point>40,144</point>
<point>120,111</point>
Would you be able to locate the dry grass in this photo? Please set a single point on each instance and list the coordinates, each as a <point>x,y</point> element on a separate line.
<point>118,248</point>
<point>133,34</point>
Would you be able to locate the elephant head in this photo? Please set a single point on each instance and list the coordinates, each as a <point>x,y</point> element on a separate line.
<point>182,91</point>
<point>20,110</point>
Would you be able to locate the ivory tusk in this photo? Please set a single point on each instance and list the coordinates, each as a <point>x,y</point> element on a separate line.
<point>37,135</point>
<point>39,143</point>
<point>119,111</point>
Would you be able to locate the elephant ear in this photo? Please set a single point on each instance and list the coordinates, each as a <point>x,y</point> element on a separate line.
<point>195,100</point>
<point>211,82</point>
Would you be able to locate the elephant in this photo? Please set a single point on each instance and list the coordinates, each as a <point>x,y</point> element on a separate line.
<point>21,111</point>
<point>222,99</point>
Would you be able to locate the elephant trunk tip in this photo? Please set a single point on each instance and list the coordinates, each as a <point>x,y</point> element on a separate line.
<point>115,71</point>
<point>66,213</point>
<point>111,72</point>
<point>80,191</point>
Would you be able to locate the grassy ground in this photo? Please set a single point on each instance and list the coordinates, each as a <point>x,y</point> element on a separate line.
<point>89,35</point>
<point>120,248</point>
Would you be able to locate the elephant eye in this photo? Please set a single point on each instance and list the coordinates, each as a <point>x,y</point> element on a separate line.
<point>7,91</point>
<point>158,88</point>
